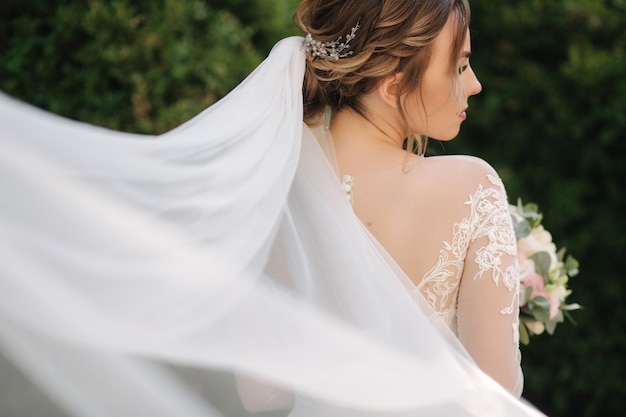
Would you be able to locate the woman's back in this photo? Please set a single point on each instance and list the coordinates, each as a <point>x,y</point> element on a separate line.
<point>395,71</point>
<point>445,222</point>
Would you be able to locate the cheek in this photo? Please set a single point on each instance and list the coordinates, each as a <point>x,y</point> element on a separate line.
<point>434,109</point>
<point>443,105</point>
<point>442,96</point>
<point>438,92</point>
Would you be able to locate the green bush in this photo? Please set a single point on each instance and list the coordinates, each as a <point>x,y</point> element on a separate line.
<point>552,119</point>
<point>142,66</point>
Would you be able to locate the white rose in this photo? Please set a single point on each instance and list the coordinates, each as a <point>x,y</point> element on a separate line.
<point>536,327</point>
<point>559,292</point>
<point>539,240</point>
<point>556,296</point>
<point>526,266</point>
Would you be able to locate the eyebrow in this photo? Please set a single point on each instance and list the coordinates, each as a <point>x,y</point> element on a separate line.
<point>466,54</point>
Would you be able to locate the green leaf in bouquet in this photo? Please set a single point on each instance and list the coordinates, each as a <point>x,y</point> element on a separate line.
<point>524,337</point>
<point>542,263</point>
<point>572,307</point>
<point>528,292</point>
<point>551,325</point>
<point>530,208</point>
<point>534,326</point>
<point>530,211</point>
<point>567,314</point>
<point>571,266</point>
<point>525,313</point>
<point>540,307</point>
<point>525,296</point>
<point>560,255</point>
<point>521,227</point>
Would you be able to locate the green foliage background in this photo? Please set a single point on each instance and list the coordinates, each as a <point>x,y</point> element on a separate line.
<point>551,119</point>
<point>142,66</point>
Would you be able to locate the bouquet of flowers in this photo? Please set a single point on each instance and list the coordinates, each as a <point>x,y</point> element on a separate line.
<point>544,273</point>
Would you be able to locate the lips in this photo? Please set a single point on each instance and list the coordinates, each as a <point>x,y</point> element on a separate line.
<point>463,114</point>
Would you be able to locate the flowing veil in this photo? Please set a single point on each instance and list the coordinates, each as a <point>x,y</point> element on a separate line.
<point>224,246</point>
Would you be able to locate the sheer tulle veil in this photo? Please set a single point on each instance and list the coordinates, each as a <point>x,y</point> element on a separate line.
<point>224,247</point>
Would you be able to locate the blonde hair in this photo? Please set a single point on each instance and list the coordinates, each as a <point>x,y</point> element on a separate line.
<point>394,36</point>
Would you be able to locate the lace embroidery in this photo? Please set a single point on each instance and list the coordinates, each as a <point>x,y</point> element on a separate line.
<point>489,217</point>
<point>347,182</point>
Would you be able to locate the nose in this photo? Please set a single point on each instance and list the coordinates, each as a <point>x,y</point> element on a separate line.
<point>472,86</point>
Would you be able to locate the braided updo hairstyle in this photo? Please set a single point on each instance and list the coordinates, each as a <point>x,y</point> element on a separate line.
<point>394,36</point>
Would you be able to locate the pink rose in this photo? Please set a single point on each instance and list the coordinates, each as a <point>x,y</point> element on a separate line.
<point>535,281</point>
<point>555,304</point>
<point>556,297</point>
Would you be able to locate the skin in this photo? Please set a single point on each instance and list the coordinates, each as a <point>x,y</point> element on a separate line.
<point>409,202</point>
<point>389,188</point>
<point>371,151</point>
<point>445,106</point>
<point>443,109</point>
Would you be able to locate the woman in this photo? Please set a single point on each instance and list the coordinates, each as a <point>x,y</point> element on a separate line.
<point>231,243</point>
<point>407,74</point>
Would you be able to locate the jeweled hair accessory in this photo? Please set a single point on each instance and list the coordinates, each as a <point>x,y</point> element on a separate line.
<point>335,49</point>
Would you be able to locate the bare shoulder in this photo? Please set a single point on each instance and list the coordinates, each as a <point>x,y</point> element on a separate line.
<point>453,174</point>
<point>422,205</point>
<point>466,169</point>
<point>443,184</point>
<point>404,202</point>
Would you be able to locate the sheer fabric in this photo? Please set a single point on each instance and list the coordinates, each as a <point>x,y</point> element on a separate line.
<point>472,284</point>
<point>226,244</point>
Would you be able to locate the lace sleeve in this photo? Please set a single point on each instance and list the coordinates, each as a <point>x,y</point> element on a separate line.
<point>487,308</point>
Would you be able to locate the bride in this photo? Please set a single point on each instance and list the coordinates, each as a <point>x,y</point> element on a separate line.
<point>320,265</point>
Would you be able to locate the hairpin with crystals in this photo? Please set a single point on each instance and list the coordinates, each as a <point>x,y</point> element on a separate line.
<point>335,49</point>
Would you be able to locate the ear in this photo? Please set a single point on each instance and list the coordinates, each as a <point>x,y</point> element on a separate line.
<point>388,89</point>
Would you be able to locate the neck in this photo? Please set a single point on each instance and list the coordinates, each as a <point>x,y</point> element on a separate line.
<point>363,146</point>
<point>349,127</point>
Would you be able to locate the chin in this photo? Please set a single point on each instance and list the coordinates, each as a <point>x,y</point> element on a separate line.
<point>446,137</point>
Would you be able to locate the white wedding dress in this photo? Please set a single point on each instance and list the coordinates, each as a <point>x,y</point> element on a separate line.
<point>227,244</point>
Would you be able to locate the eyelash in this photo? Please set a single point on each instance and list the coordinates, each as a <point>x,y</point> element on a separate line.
<point>462,69</point>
